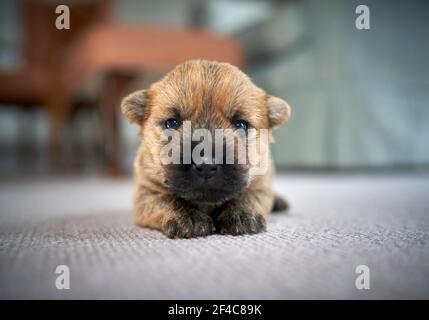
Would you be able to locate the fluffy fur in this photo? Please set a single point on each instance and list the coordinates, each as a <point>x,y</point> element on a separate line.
<point>171,198</point>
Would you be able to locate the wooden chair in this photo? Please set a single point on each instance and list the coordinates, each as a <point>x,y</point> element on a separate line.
<point>39,81</point>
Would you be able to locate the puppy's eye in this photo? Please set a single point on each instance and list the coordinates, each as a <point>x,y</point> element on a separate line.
<point>172,124</point>
<point>241,124</point>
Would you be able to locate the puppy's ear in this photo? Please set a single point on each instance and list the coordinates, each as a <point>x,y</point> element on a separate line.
<point>278,111</point>
<point>132,106</point>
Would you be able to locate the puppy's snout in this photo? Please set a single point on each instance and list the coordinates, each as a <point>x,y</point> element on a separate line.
<point>206,171</point>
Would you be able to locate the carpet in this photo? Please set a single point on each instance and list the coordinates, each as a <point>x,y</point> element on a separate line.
<point>336,223</point>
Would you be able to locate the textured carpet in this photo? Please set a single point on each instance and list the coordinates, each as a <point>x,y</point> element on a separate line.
<point>336,223</point>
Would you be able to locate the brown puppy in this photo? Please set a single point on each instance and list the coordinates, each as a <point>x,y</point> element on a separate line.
<point>197,199</point>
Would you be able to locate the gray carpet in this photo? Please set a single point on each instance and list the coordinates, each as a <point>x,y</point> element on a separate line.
<point>336,223</point>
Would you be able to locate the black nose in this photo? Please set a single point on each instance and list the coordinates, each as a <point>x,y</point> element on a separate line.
<point>205,171</point>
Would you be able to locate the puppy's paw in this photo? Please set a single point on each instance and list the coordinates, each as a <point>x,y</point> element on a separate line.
<point>189,226</point>
<point>236,221</point>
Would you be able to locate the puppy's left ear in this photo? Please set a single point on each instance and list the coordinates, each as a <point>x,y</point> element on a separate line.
<point>132,106</point>
<point>278,111</point>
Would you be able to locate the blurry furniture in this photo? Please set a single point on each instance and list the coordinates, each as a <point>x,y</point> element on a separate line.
<point>120,53</point>
<point>59,64</point>
<point>39,81</point>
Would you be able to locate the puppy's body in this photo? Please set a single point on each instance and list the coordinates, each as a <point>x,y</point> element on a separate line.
<point>187,200</point>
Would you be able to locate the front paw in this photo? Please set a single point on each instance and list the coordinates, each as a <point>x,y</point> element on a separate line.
<point>237,221</point>
<point>189,226</point>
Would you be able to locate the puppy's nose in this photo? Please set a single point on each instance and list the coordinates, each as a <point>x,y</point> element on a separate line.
<point>205,171</point>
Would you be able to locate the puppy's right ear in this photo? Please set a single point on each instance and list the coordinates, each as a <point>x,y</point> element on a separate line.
<point>132,106</point>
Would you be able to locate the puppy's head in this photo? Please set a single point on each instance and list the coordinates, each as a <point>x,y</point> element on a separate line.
<point>202,95</point>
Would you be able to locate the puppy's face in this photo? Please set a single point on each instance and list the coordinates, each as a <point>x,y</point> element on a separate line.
<point>202,95</point>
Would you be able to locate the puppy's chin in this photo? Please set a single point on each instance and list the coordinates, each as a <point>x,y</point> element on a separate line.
<point>204,196</point>
<point>215,191</point>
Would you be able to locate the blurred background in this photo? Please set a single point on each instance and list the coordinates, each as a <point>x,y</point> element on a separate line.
<point>360,98</point>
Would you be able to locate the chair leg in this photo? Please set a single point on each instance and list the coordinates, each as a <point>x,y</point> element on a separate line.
<point>26,153</point>
<point>110,96</point>
<point>58,113</point>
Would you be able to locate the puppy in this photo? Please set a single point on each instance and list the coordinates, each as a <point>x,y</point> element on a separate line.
<point>196,199</point>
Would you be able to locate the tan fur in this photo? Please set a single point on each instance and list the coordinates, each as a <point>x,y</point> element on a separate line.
<point>209,94</point>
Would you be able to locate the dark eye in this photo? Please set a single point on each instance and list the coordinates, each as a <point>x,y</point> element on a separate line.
<point>241,124</point>
<point>172,124</point>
